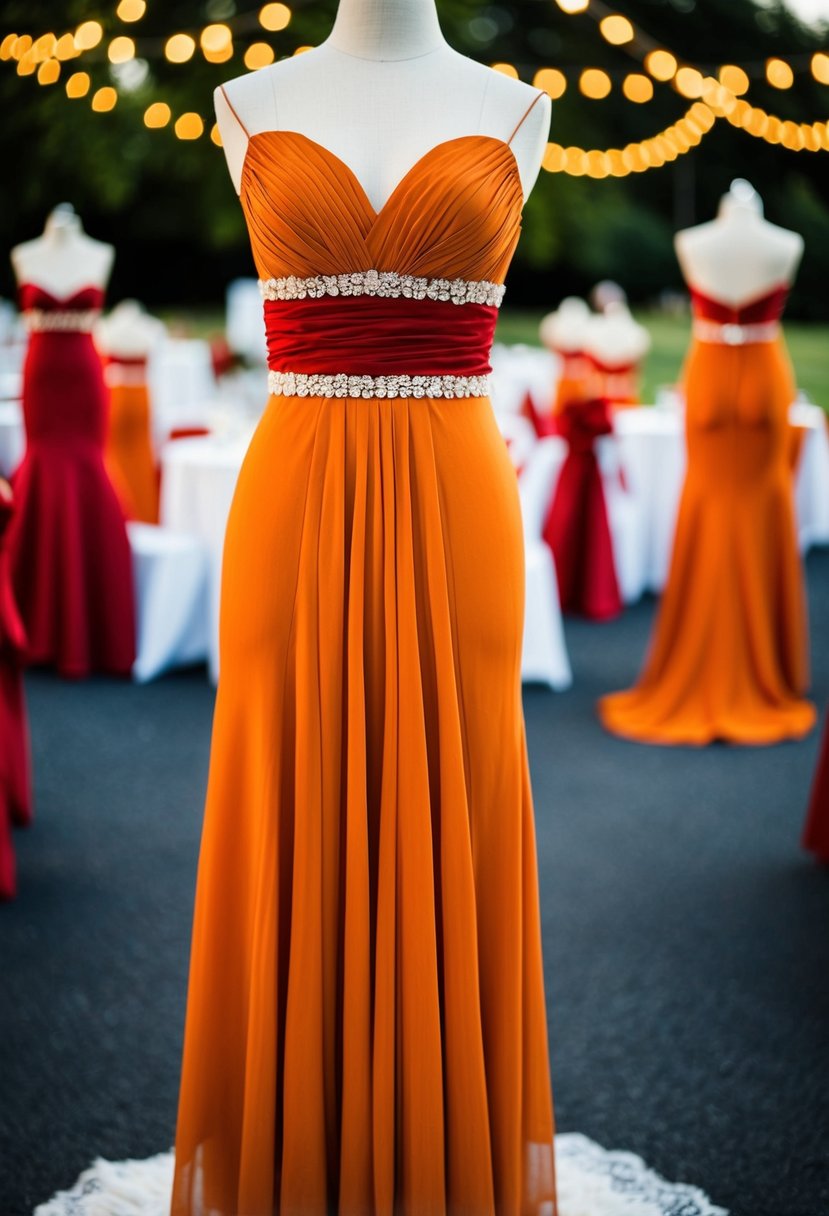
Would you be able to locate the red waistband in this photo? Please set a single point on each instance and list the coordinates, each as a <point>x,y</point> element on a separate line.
<point>376,336</point>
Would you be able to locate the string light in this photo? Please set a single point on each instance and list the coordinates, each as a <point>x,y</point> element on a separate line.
<point>662,65</point>
<point>637,87</point>
<point>44,47</point>
<point>689,82</point>
<point>594,83</point>
<point>552,81</point>
<point>179,48</point>
<point>274,17</point>
<point>820,67</point>
<point>78,84</point>
<point>259,55</point>
<point>121,50</point>
<point>216,135</point>
<point>506,69</point>
<point>104,99</point>
<point>214,38</point>
<point>131,10</point>
<point>157,115</point>
<point>616,30</point>
<point>189,126</point>
<point>779,74</point>
<point>734,79</point>
<point>65,47</point>
<point>7,46</point>
<point>88,35</point>
<point>48,72</point>
<point>573,6</point>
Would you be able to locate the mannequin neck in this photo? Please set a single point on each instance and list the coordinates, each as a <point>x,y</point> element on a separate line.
<point>738,211</point>
<point>62,226</point>
<point>386,29</point>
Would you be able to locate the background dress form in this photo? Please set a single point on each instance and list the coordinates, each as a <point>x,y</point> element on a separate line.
<point>729,654</point>
<point>68,550</point>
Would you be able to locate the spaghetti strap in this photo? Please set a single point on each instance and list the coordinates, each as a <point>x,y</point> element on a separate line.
<point>232,109</point>
<point>540,93</point>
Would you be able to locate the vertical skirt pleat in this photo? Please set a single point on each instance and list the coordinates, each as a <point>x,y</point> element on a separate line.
<point>366,1028</point>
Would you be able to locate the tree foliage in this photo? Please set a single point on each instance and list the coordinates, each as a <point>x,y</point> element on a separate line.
<point>169,208</point>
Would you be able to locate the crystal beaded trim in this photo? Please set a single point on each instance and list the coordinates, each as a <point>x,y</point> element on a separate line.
<point>731,334</point>
<point>386,283</point>
<point>300,384</point>
<point>68,320</point>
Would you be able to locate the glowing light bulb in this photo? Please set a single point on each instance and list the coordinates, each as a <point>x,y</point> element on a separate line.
<point>820,67</point>
<point>779,74</point>
<point>661,65</point>
<point>616,30</point>
<point>88,35</point>
<point>594,83</point>
<point>189,126</point>
<point>637,87</point>
<point>274,17</point>
<point>179,48</point>
<point>131,10</point>
<point>157,115</point>
<point>733,78</point>
<point>104,99</point>
<point>258,55</point>
<point>78,84</point>
<point>121,50</point>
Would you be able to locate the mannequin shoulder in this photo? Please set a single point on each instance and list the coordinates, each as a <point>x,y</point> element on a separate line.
<point>508,100</point>
<point>252,99</point>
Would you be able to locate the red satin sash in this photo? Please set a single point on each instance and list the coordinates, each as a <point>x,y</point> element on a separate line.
<point>376,336</point>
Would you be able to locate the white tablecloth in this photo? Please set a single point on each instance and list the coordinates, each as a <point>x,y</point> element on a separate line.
<point>12,437</point>
<point>171,575</point>
<point>198,477</point>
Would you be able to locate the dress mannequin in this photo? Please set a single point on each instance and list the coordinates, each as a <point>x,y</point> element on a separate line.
<point>729,656</point>
<point>739,256</point>
<point>64,259</point>
<point>128,332</point>
<point>379,93</point>
<point>564,332</point>
<point>617,344</point>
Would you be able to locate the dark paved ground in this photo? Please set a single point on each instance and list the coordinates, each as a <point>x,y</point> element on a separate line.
<point>686,936</point>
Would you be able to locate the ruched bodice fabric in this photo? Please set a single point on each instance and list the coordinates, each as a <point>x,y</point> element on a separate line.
<point>455,214</point>
<point>366,1025</point>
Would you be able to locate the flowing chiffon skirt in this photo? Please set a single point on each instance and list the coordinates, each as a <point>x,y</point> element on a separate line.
<point>366,1026</point>
<point>70,558</point>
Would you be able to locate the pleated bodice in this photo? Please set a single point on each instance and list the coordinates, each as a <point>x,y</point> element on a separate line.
<point>456,213</point>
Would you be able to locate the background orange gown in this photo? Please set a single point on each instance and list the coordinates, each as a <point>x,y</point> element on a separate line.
<point>366,1027</point>
<point>729,654</point>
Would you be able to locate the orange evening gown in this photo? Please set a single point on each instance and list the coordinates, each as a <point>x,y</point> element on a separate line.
<point>129,453</point>
<point>728,659</point>
<point>366,1025</point>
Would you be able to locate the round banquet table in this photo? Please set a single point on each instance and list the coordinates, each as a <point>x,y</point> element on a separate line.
<point>198,477</point>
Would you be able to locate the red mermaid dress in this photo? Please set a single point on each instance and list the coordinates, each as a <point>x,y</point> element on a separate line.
<point>15,790</point>
<point>68,550</point>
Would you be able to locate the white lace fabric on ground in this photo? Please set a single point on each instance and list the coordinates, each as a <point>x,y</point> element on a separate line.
<point>591,1182</point>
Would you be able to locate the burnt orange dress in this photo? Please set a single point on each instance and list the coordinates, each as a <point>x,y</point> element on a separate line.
<point>728,659</point>
<point>129,454</point>
<point>366,1027</point>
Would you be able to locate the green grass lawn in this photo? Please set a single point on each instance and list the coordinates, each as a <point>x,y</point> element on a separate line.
<point>808,346</point>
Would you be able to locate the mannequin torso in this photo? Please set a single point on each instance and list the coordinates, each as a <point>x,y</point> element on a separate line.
<point>64,260</point>
<point>738,257</point>
<point>379,93</point>
<point>128,332</point>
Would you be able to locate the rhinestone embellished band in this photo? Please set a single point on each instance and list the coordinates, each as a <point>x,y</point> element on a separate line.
<point>386,283</point>
<point>300,384</point>
<point>731,334</point>
<point>69,320</point>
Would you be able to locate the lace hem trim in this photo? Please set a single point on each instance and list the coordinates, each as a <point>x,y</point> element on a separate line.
<point>300,384</point>
<point>590,1181</point>
<point>386,283</point>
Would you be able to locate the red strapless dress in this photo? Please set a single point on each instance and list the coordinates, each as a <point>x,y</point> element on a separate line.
<point>816,828</point>
<point>15,791</point>
<point>577,528</point>
<point>68,549</point>
<point>729,654</point>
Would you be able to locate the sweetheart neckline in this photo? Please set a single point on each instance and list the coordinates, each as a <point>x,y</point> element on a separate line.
<point>61,299</point>
<point>403,180</point>
<point>755,299</point>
